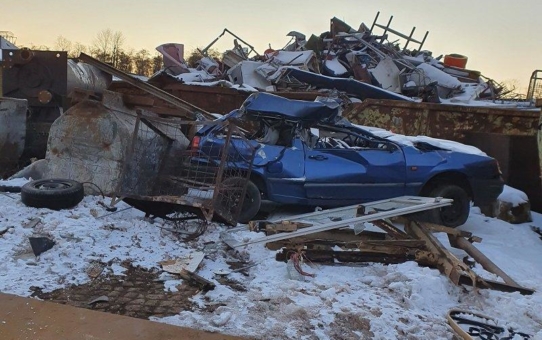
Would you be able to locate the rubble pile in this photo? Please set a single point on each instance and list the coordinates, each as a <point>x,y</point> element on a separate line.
<point>359,62</point>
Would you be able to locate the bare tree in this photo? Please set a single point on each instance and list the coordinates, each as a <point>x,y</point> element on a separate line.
<point>63,44</point>
<point>77,49</point>
<point>511,89</point>
<point>32,46</point>
<point>117,42</point>
<point>107,46</point>
<point>101,45</point>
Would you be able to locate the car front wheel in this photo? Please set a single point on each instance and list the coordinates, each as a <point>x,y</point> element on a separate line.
<point>455,214</point>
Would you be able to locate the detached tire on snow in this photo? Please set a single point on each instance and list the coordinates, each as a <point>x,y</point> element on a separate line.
<point>55,193</point>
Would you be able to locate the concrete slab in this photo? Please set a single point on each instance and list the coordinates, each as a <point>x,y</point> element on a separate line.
<point>25,318</point>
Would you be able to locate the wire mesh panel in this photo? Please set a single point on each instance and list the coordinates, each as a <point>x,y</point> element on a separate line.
<point>208,180</point>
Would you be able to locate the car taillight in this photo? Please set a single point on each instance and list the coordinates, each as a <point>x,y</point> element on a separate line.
<point>194,145</point>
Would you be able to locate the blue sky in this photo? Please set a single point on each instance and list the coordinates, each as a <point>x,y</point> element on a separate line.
<point>501,38</point>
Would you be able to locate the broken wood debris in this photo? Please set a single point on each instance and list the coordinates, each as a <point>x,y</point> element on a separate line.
<point>373,211</point>
<point>197,280</point>
<point>189,263</point>
<point>185,267</point>
<point>313,238</point>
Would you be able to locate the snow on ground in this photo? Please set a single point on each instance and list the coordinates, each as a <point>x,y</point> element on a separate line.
<point>377,301</point>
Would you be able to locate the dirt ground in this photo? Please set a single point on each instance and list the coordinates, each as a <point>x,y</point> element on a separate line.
<point>26,318</point>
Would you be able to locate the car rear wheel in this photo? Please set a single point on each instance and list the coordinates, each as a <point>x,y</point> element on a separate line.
<point>454,215</point>
<point>251,201</point>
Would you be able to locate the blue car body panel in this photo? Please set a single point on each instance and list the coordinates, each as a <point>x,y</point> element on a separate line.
<point>354,175</point>
<point>307,173</point>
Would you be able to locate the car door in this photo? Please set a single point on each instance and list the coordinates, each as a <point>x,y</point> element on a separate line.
<point>341,175</point>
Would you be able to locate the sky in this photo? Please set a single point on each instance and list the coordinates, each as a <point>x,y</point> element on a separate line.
<point>500,38</point>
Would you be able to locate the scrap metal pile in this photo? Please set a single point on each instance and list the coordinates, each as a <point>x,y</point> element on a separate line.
<point>359,61</point>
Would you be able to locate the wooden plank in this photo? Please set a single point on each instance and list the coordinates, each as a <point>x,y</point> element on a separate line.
<point>395,243</point>
<point>343,238</point>
<point>490,284</point>
<point>330,256</point>
<point>446,262</point>
<point>392,230</point>
<point>447,230</point>
<point>196,280</point>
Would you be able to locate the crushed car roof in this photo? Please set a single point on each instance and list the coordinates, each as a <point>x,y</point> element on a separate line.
<point>271,106</point>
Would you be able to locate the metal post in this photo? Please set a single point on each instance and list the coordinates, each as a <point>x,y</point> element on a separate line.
<point>386,30</point>
<point>423,41</point>
<point>374,22</point>
<point>409,38</point>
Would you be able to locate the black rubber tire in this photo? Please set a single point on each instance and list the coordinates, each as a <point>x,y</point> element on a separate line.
<point>251,202</point>
<point>54,193</point>
<point>454,215</point>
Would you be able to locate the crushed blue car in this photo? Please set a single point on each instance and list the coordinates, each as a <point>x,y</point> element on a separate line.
<point>306,154</point>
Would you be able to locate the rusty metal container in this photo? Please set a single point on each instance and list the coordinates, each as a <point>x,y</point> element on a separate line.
<point>442,121</point>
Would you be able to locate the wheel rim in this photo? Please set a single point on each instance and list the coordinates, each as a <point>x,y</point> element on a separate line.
<point>53,186</point>
<point>452,213</point>
<point>235,197</point>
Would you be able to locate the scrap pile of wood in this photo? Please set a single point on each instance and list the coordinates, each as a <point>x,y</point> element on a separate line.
<point>317,237</point>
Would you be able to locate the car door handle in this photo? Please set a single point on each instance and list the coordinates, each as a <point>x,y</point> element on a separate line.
<point>318,157</point>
